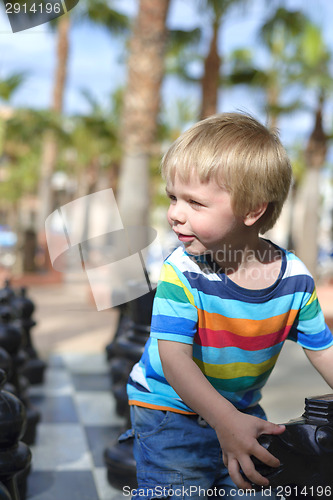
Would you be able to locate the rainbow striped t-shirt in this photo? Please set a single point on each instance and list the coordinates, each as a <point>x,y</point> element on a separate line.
<point>236,333</point>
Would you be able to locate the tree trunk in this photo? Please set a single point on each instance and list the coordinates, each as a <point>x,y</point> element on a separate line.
<point>211,77</point>
<point>141,107</point>
<point>308,197</point>
<point>273,98</point>
<point>50,146</point>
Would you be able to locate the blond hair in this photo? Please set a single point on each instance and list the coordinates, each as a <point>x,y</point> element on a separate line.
<point>241,155</point>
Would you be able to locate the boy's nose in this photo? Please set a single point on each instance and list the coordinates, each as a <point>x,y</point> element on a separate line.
<point>177,214</point>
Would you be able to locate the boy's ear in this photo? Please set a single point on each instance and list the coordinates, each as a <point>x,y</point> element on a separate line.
<point>254,215</point>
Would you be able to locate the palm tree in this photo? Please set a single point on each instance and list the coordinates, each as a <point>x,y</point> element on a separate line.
<point>8,86</point>
<point>97,11</point>
<point>282,35</point>
<point>216,75</point>
<point>141,109</point>
<point>19,172</point>
<point>101,13</point>
<point>22,147</point>
<point>286,37</point>
<point>299,59</point>
<point>95,144</point>
<point>308,196</point>
<point>314,72</point>
<point>50,147</point>
<point>212,63</point>
<point>210,81</point>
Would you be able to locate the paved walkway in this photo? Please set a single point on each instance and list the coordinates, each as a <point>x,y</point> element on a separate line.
<point>67,318</point>
<point>71,335</point>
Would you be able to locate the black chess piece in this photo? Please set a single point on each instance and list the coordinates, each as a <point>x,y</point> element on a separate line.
<point>6,364</point>
<point>6,293</point>
<point>305,451</point>
<point>33,368</point>
<point>120,462</point>
<point>126,349</point>
<point>129,342</point>
<point>15,456</point>
<point>10,340</point>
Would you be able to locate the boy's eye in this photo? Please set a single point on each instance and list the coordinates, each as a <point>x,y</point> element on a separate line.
<point>196,203</point>
<point>172,197</point>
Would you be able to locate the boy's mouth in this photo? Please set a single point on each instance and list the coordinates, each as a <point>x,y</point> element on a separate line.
<point>185,238</point>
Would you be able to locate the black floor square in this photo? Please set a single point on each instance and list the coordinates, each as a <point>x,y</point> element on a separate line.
<point>63,485</point>
<point>99,437</point>
<point>55,409</point>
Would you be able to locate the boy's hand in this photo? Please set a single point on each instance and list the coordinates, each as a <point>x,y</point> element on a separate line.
<point>236,431</point>
<point>238,439</point>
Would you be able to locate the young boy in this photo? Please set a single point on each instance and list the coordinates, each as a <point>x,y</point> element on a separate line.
<point>225,303</point>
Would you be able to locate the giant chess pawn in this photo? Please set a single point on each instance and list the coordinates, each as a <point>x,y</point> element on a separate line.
<point>128,345</point>
<point>6,293</point>
<point>15,456</point>
<point>6,364</point>
<point>127,349</point>
<point>34,367</point>
<point>10,340</point>
<point>305,451</point>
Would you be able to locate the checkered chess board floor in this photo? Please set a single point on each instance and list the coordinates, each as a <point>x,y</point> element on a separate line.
<point>78,420</point>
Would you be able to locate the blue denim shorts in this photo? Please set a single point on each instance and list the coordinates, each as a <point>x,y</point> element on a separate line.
<point>179,456</point>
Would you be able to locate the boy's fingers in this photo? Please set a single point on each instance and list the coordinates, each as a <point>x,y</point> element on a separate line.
<point>270,428</point>
<point>266,457</point>
<point>251,473</point>
<point>236,476</point>
<point>261,453</point>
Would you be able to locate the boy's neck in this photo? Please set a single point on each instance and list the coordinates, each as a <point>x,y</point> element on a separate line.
<point>254,264</point>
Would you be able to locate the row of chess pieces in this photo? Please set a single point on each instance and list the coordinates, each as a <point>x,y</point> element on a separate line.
<point>20,367</point>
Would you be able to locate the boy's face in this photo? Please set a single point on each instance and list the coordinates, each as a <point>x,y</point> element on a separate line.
<point>201,215</point>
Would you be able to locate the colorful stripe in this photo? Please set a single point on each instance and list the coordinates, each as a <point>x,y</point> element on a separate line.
<point>236,370</point>
<point>224,338</point>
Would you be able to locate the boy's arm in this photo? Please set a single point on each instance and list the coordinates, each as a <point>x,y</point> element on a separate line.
<point>236,431</point>
<point>323,362</point>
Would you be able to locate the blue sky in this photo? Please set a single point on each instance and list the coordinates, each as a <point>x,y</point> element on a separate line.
<point>97,58</point>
